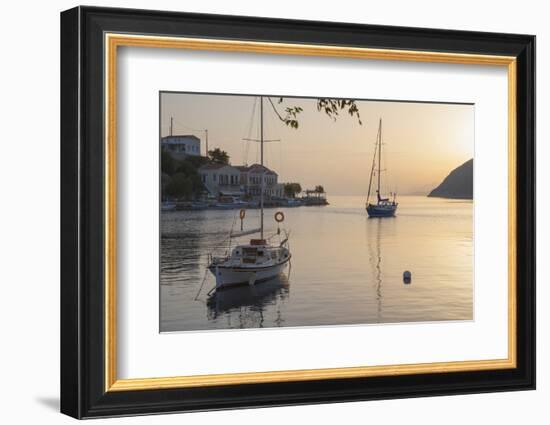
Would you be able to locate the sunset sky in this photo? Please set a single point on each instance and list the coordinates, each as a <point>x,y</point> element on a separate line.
<point>423,142</point>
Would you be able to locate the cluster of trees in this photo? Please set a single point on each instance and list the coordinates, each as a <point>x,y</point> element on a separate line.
<point>218,156</point>
<point>181,179</point>
<point>319,189</point>
<point>292,189</point>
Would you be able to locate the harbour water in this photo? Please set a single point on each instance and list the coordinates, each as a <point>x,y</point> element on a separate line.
<point>345,268</point>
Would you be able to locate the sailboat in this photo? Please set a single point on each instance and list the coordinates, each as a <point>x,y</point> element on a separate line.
<point>384,207</point>
<point>258,260</point>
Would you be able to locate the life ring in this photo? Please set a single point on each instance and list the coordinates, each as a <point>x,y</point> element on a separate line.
<point>242,213</point>
<point>279,217</point>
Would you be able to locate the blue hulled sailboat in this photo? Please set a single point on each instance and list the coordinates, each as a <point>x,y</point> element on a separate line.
<point>384,207</point>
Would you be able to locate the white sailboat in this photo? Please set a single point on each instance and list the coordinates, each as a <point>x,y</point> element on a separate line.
<point>258,260</point>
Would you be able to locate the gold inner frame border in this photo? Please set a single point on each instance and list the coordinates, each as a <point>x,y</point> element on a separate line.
<point>113,40</point>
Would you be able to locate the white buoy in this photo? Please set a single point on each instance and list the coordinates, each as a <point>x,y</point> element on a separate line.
<point>407,276</point>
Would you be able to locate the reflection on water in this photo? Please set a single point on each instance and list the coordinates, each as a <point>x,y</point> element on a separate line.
<point>375,258</point>
<point>249,302</point>
<point>346,268</point>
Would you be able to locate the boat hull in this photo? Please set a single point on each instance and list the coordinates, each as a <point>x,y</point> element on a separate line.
<point>381,211</point>
<point>231,276</point>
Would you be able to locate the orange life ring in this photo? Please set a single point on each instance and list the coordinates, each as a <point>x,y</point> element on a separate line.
<point>242,213</point>
<point>279,217</point>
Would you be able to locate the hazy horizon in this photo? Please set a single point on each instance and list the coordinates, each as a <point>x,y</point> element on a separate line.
<point>423,142</point>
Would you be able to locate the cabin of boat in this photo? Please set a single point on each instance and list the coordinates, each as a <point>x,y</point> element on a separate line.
<point>257,254</point>
<point>249,264</point>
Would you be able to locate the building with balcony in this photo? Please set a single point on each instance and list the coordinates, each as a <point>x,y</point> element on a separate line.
<point>251,178</point>
<point>221,180</point>
<point>181,146</point>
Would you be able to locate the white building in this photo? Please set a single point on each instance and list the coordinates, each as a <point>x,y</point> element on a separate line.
<point>181,146</point>
<point>251,180</point>
<point>221,179</point>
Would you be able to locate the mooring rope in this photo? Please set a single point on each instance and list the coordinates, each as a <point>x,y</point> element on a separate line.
<point>202,284</point>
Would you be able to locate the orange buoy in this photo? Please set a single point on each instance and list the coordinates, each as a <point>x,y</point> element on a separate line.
<point>242,213</point>
<point>279,217</point>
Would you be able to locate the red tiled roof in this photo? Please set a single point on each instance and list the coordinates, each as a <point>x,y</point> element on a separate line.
<point>256,169</point>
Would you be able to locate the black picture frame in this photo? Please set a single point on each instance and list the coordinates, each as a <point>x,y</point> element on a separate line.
<point>83,392</point>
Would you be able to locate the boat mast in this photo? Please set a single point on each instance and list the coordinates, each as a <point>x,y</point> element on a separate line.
<point>262,164</point>
<point>372,167</point>
<point>379,154</point>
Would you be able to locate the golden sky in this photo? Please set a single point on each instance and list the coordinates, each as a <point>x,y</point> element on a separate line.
<point>422,142</point>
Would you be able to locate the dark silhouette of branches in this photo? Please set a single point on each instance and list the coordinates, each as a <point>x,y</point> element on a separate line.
<point>331,107</point>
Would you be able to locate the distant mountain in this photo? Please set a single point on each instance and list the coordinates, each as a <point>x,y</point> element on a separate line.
<point>459,184</point>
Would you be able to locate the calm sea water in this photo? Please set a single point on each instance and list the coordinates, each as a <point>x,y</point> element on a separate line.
<point>346,268</point>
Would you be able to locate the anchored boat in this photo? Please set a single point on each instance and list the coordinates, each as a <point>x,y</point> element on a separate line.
<point>249,264</point>
<point>258,260</point>
<point>384,207</point>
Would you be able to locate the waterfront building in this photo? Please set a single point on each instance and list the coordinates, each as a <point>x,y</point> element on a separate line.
<point>181,146</point>
<point>251,180</point>
<point>221,180</point>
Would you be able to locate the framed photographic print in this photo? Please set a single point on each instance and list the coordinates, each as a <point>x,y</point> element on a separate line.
<point>261,212</point>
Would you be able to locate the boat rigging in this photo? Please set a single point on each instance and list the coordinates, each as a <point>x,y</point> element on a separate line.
<point>258,260</point>
<point>384,207</point>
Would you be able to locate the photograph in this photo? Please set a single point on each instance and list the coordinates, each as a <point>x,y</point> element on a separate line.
<point>285,211</point>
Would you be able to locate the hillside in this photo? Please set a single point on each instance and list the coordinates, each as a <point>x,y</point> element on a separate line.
<point>459,184</point>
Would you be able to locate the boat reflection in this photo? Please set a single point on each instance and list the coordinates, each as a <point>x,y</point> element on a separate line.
<point>246,304</point>
<point>375,260</point>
